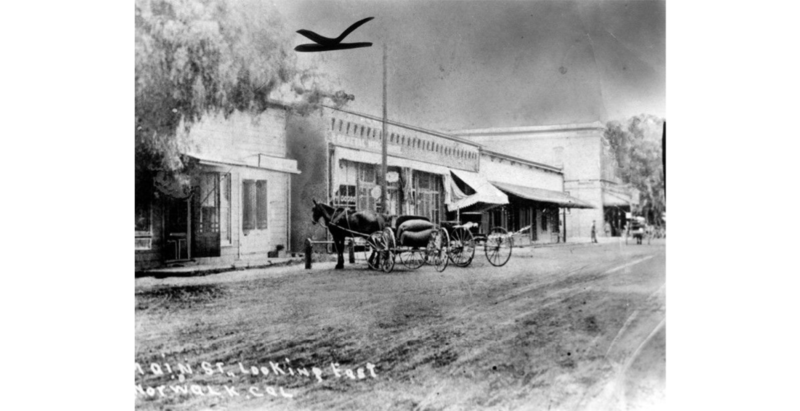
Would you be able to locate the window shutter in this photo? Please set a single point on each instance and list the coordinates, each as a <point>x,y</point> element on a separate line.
<point>248,205</point>
<point>261,203</point>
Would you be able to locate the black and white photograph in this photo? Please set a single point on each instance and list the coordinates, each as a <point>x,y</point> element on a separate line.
<point>400,205</point>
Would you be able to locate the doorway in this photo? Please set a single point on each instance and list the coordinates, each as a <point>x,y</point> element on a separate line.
<point>207,224</point>
<point>177,223</point>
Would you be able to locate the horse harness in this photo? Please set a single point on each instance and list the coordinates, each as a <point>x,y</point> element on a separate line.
<point>346,218</point>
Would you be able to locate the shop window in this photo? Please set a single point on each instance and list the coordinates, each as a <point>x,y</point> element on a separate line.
<point>366,173</point>
<point>143,218</point>
<point>346,196</point>
<point>142,212</point>
<point>428,189</point>
<point>142,215</point>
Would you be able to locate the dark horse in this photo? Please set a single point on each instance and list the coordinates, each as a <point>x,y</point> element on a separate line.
<point>339,220</point>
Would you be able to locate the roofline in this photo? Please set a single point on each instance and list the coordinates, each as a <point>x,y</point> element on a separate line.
<point>530,129</point>
<point>547,167</point>
<point>419,129</point>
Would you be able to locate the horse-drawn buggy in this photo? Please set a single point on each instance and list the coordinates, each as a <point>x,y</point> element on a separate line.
<point>412,241</point>
<point>637,229</point>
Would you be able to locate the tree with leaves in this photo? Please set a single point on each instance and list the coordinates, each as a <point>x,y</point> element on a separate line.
<point>636,147</point>
<point>195,57</point>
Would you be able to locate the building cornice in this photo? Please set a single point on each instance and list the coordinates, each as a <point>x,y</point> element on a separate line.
<point>507,131</point>
<point>414,128</point>
<point>498,155</point>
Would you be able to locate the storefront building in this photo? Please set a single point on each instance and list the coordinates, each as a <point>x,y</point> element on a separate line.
<point>233,205</point>
<point>537,202</point>
<point>588,174</point>
<point>339,155</point>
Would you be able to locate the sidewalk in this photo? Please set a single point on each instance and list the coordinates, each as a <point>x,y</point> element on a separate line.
<point>586,241</point>
<point>191,269</point>
<point>576,241</point>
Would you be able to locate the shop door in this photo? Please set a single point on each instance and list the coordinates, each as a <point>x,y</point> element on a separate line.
<point>176,229</point>
<point>206,217</point>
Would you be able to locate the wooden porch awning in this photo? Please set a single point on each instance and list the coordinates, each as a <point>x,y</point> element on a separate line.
<point>615,200</point>
<point>543,196</point>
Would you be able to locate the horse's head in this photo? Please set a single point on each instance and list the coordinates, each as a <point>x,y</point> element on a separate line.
<point>320,210</point>
<point>316,212</point>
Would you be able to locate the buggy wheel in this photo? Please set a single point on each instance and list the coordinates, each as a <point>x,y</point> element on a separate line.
<point>378,247</point>
<point>437,250</point>
<point>388,254</point>
<point>498,246</point>
<point>412,258</point>
<point>462,247</point>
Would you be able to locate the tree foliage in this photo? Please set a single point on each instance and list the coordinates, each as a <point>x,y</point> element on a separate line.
<point>635,145</point>
<point>199,56</point>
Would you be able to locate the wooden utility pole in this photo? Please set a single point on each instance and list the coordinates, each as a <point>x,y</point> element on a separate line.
<point>384,140</point>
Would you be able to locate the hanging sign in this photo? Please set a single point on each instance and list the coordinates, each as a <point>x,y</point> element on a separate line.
<point>392,177</point>
<point>376,192</point>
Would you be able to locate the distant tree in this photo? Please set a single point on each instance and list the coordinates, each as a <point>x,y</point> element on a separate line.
<point>635,145</point>
<point>194,57</point>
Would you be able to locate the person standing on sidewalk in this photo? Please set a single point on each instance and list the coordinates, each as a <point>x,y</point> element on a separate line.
<point>594,232</point>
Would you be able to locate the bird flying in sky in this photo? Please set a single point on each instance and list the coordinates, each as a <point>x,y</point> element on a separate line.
<point>329,44</point>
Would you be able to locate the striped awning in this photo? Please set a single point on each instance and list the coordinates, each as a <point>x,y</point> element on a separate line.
<point>541,195</point>
<point>485,195</point>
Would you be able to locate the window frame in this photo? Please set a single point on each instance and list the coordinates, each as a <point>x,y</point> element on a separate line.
<point>145,235</point>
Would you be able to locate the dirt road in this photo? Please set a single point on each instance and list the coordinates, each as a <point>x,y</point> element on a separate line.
<point>567,328</point>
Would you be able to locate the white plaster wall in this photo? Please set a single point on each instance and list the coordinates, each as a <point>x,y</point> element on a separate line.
<point>520,174</point>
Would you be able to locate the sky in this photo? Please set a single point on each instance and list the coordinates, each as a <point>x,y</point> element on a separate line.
<point>478,64</point>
